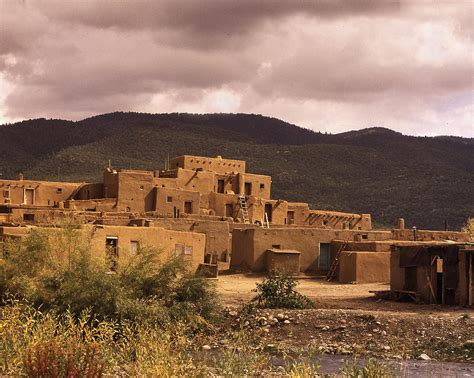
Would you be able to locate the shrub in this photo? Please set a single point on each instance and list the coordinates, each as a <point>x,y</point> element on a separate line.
<point>278,291</point>
<point>54,269</point>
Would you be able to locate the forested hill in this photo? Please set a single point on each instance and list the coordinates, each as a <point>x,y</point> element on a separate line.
<point>375,170</point>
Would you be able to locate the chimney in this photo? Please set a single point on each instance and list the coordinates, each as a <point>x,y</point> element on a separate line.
<point>401,223</point>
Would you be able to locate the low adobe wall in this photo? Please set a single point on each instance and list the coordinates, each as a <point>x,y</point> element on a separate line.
<point>364,267</point>
<point>249,246</point>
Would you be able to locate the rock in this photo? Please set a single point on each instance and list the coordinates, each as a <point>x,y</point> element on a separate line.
<point>280,316</point>
<point>383,333</point>
<point>206,347</point>
<point>246,323</point>
<point>233,313</point>
<point>273,321</point>
<point>325,328</point>
<point>266,330</point>
<point>287,321</point>
<point>386,347</point>
<point>424,357</point>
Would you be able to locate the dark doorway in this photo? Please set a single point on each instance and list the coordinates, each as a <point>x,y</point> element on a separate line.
<point>291,217</point>
<point>229,210</point>
<point>439,280</point>
<point>410,278</point>
<point>324,256</point>
<point>188,207</point>
<point>268,212</point>
<point>248,188</point>
<point>220,186</point>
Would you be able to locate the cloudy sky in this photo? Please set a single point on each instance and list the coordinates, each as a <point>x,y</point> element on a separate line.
<point>328,65</point>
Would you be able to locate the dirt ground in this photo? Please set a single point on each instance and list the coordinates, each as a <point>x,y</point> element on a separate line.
<point>348,319</point>
<point>236,289</point>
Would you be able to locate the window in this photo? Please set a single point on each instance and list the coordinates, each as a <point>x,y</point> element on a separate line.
<point>220,186</point>
<point>188,207</point>
<point>59,190</point>
<point>134,247</point>
<point>29,196</point>
<point>291,217</point>
<point>262,186</point>
<point>128,209</point>
<point>188,250</point>
<point>28,217</point>
<point>268,212</point>
<point>169,199</point>
<point>179,249</point>
<point>229,210</point>
<point>6,193</point>
<point>365,236</point>
<point>248,188</point>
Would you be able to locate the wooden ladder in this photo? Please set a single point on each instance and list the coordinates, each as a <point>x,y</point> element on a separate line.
<point>335,263</point>
<point>244,209</point>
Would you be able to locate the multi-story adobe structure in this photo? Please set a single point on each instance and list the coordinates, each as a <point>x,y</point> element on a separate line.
<point>231,209</point>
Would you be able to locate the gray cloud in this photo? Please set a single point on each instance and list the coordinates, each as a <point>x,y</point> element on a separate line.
<point>309,62</point>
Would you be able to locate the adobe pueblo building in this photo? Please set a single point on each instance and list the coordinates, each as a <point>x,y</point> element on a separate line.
<point>216,212</point>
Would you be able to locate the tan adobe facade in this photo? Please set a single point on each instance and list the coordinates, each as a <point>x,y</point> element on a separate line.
<point>214,206</point>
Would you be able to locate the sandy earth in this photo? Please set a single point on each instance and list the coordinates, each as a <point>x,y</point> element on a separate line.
<point>236,289</point>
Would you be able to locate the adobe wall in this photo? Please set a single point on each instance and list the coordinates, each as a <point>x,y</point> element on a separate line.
<point>217,164</point>
<point>427,235</point>
<point>103,204</point>
<point>288,263</point>
<point>164,240</point>
<point>201,181</point>
<point>90,191</point>
<point>135,191</point>
<point>218,239</point>
<point>45,193</point>
<point>169,201</point>
<point>306,241</point>
<point>364,267</point>
<point>260,185</point>
<point>303,215</point>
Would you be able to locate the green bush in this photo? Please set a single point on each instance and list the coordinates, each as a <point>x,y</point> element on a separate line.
<point>278,291</point>
<point>54,269</point>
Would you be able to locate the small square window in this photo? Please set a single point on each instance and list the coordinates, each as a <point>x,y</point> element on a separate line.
<point>188,250</point>
<point>134,247</point>
<point>59,190</point>
<point>179,249</point>
<point>169,199</point>
<point>262,186</point>
<point>6,194</point>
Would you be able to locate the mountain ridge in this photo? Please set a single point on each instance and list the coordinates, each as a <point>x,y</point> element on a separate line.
<point>374,170</point>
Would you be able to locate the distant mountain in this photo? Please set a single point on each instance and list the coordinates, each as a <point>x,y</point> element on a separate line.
<point>374,170</point>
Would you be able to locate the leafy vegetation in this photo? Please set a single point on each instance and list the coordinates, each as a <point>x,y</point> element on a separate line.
<point>377,171</point>
<point>278,291</point>
<point>54,269</point>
